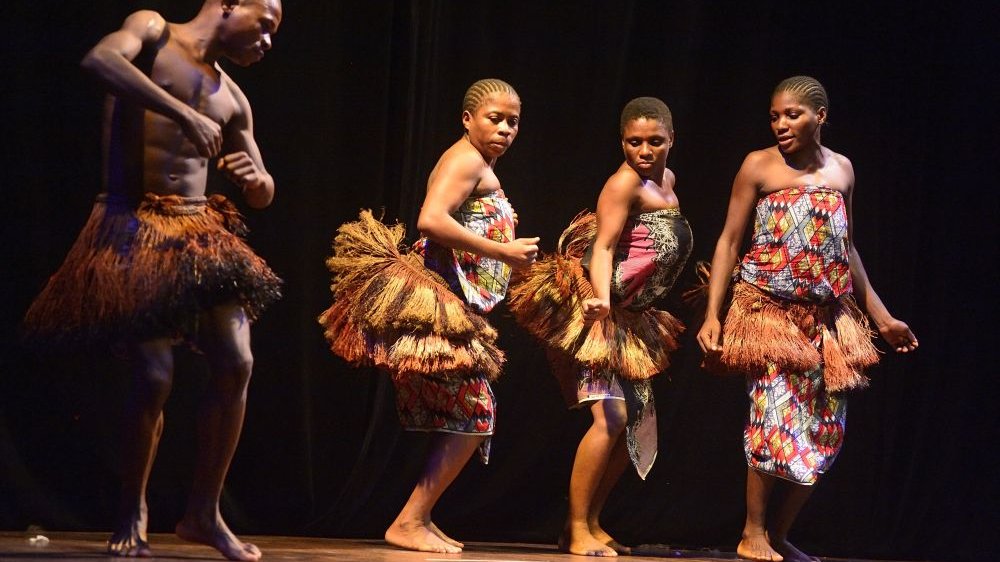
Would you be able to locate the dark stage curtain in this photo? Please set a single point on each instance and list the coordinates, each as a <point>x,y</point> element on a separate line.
<point>352,108</point>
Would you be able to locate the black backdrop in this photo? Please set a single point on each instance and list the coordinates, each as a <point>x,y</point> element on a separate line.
<point>352,108</point>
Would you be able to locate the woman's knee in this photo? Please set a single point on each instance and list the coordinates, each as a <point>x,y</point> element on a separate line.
<point>611,415</point>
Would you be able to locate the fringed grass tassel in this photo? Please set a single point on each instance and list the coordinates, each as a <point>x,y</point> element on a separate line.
<point>855,334</point>
<point>145,273</point>
<point>761,329</point>
<point>758,330</point>
<point>397,314</point>
<point>547,301</point>
<point>837,374</point>
<point>85,299</point>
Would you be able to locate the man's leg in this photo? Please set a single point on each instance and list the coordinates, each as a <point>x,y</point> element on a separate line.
<point>754,544</point>
<point>152,366</point>
<point>224,336</point>
<point>412,528</point>
<point>589,469</point>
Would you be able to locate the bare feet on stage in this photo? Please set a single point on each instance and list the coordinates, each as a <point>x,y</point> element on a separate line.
<point>415,535</point>
<point>603,536</point>
<point>583,543</point>
<point>130,538</point>
<point>218,536</point>
<point>755,547</point>
<point>791,553</point>
<point>434,529</point>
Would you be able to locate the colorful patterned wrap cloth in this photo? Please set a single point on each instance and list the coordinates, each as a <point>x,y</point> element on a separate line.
<point>480,281</point>
<point>652,250</point>
<point>799,249</point>
<point>794,329</point>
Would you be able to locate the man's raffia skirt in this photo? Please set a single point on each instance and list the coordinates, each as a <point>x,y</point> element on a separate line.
<point>137,274</point>
<point>391,312</point>
<point>548,302</point>
<point>762,329</point>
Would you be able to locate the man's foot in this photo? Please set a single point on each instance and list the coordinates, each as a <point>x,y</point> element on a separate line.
<point>218,536</point>
<point>130,537</point>
<point>603,536</point>
<point>585,545</point>
<point>419,537</point>
<point>434,529</point>
<point>756,547</point>
<point>791,553</point>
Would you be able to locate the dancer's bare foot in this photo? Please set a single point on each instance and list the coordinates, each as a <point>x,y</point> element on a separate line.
<point>584,544</point>
<point>434,529</point>
<point>603,536</point>
<point>130,537</point>
<point>790,552</point>
<point>755,547</point>
<point>218,536</point>
<point>415,535</point>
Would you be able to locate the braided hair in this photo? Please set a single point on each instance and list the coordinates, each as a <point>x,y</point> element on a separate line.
<point>481,90</point>
<point>808,90</point>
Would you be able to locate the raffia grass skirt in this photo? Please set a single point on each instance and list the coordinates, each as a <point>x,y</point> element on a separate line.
<point>547,301</point>
<point>139,274</point>
<point>391,312</point>
<point>762,329</point>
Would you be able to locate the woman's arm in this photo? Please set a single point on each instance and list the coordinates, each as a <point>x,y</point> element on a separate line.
<point>613,206</point>
<point>452,182</point>
<point>893,331</point>
<point>741,204</point>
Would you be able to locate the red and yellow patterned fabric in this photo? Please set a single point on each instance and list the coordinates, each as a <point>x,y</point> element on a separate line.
<point>795,427</point>
<point>799,249</point>
<point>417,315</point>
<point>794,329</point>
<point>480,281</point>
<point>466,405</point>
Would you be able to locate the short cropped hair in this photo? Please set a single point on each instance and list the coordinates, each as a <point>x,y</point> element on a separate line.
<point>648,108</point>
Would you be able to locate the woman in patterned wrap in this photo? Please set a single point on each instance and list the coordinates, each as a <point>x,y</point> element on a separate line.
<point>419,315</point>
<point>591,304</point>
<point>793,326</point>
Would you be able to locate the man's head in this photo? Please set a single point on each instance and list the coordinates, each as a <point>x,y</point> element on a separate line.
<point>245,27</point>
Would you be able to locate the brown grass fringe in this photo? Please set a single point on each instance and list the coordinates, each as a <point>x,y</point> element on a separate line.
<point>149,273</point>
<point>547,301</point>
<point>392,312</point>
<point>760,328</point>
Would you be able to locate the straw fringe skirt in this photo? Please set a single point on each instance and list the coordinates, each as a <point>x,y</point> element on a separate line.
<point>138,274</point>
<point>391,312</point>
<point>548,302</point>
<point>762,329</point>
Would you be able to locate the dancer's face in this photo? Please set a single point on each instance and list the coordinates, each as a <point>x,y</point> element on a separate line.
<point>795,124</point>
<point>493,125</point>
<point>247,29</point>
<point>646,143</point>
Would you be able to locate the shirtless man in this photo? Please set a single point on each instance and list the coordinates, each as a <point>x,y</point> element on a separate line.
<point>170,110</point>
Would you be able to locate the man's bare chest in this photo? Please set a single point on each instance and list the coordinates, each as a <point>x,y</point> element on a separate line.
<point>198,85</point>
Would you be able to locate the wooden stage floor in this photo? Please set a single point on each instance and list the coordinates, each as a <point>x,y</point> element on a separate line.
<point>82,547</point>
